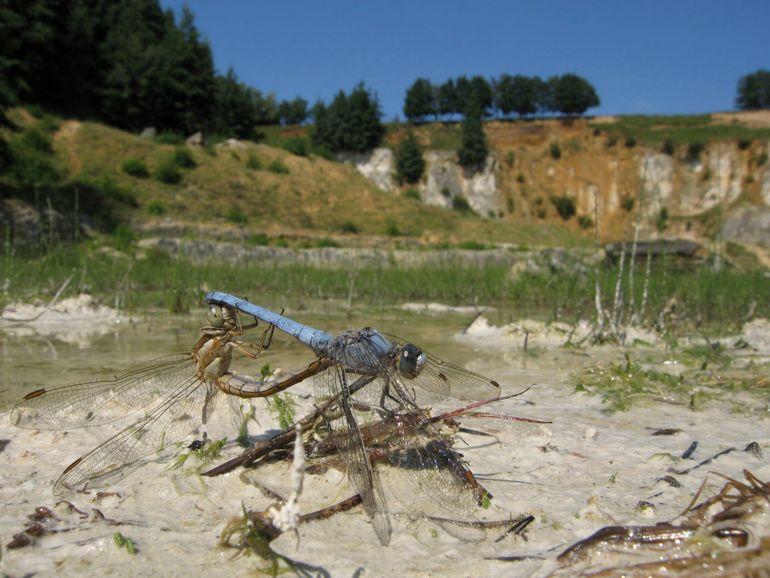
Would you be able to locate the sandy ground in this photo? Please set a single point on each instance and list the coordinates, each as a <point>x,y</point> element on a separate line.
<point>585,470</point>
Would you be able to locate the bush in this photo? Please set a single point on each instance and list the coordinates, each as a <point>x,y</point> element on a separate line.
<point>564,205</point>
<point>555,150</point>
<point>278,167</point>
<point>257,239</point>
<point>184,159</point>
<point>460,203</point>
<point>136,168</point>
<point>412,194</point>
<point>585,221</point>
<point>630,141</point>
<point>349,227</point>
<point>109,189</point>
<point>694,150</point>
<point>297,146</point>
<point>744,143</point>
<point>237,216</point>
<point>168,172</point>
<point>661,222</point>
<point>473,246</point>
<point>627,203</point>
<point>170,138</point>
<point>392,229</point>
<point>761,159</point>
<point>668,147</point>
<point>253,162</point>
<point>30,160</point>
<point>155,208</point>
<point>520,178</point>
<point>123,238</point>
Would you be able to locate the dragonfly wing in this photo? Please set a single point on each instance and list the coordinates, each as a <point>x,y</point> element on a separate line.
<point>100,402</point>
<point>180,410</point>
<point>447,380</point>
<point>347,437</point>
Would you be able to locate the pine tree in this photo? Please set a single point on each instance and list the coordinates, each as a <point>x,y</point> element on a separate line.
<point>473,151</point>
<point>410,165</point>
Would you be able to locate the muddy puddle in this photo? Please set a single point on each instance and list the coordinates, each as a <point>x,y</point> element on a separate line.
<point>589,468</point>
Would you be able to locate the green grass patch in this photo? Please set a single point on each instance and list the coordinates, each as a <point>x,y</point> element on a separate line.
<point>278,167</point>
<point>135,168</point>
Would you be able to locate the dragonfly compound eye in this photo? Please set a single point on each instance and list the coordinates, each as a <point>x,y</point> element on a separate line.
<point>215,317</point>
<point>411,361</point>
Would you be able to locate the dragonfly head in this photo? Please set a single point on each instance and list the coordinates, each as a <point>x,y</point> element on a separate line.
<point>411,360</point>
<point>215,316</point>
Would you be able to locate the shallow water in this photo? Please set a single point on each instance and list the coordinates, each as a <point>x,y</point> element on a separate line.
<point>585,470</point>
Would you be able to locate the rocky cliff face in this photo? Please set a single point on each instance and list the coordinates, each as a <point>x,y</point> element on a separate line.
<point>724,187</point>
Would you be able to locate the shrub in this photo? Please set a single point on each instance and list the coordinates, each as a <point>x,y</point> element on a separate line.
<point>184,159</point>
<point>460,203</point>
<point>109,189</point>
<point>630,141</point>
<point>585,221</point>
<point>412,194</point>
<point>349,227</point>
<point>744,143</point>
<point>761,159</point>
<point>30,160</point>
<point>170,138</point>
<point>555,150</point>
<point>257,239</point>
<point>694,150</point>
<point>278,167</point>
<point>627,203</point>
<point>473,246</point>
<point>520,178</point>
<point>123,237</point>
<point>661,222</point>
<point>155,208</point>
<point>136,168</point>
<point>392,229</point>
<point>564,205</point>
<point>297,146</point>
<point>668,147</point>
<point>168,172</point>
<point>253,162</point>
<point>235,215</point>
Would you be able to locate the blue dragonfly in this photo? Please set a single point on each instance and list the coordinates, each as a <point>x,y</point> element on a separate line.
<point>366,372</point>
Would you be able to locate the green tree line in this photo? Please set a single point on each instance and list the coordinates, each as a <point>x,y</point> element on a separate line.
<point>131,64</point>
<point>568,94</point>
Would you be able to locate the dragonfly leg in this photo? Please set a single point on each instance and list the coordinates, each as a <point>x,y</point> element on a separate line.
<point>244,386</point>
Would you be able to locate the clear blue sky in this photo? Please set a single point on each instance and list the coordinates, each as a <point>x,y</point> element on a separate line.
<point>643,57</point>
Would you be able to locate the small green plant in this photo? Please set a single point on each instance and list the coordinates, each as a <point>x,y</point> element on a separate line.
<point>278,167</point>
<point>412,194</point>
<point>555,150</point>
<point>627,203</point>
<point>253,162</point>
<point>510,158</point>
<point>661,221</point>
<point>473,246</point>
<point>761,159</point>
<point>155,207</point>
<point>135,168</point>
<point>349,227</point>
<point>183,158</point>
<point>123,238</point>
<point>392,230</point>
<point>461,204</point>
<point>237,216</point>
<point>167,172</point>
<point>630,141</point>
<point>510,205</point>
<point>668,147</point>
<point>585,221</point>
<point>283,406</point>
<point>445,192</point>
<point>694,150</point>
<point>297,146</point>
<point>258,239</point>
<point>520,178</point>
<point>169,138</point>
<point>122,541</point>
<point>744,143</point>
<point>564,205</point>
